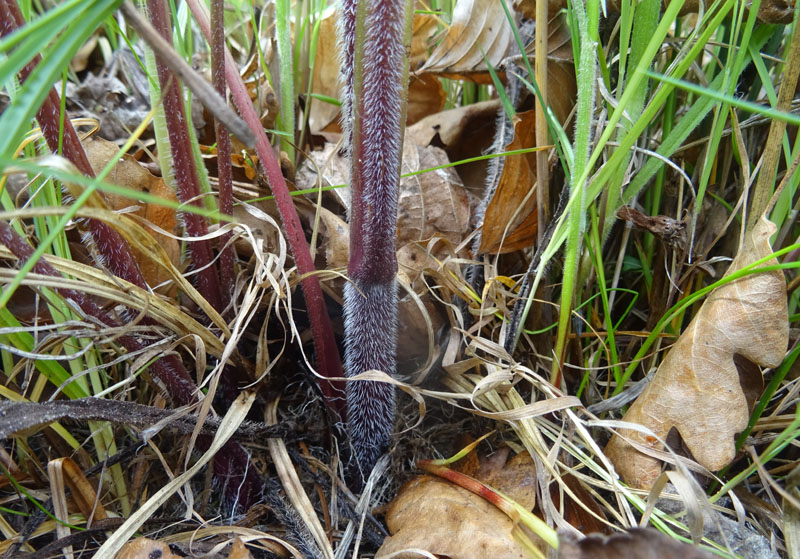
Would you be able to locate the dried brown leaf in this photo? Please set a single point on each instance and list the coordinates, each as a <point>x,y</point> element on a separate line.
<point>144,548</point>
<point>433,203</point>
<point>447,520</point>
<point>479,28</point>
<point>453,126</point>
<point>697,389</point>
<point>325,77</point>
<point>422,31</point>
<point>426,96</point>
<point>511,222</point>
<point>83,493</point>
<point>129,173</point>
<point>239,550</point>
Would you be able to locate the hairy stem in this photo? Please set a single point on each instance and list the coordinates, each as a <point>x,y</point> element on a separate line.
<point>224,171</point>
<point>375,98</point>
<point>183,162</point>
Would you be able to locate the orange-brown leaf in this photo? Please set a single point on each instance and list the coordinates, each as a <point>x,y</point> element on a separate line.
<point>510,222</point>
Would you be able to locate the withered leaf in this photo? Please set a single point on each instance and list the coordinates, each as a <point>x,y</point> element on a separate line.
<point>636,544</point>
<point>447,520</point>
<point>325,77</point>
<point>696,389</point>
<point>144,548</point>
<point>83,492</point>
<point>129,173</point>
<point>430,204</point>
<point>517,181</point>
<point>479,32</point>
<point>426,96</point>
<point>433,203</point>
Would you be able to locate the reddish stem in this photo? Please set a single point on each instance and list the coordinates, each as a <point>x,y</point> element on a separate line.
<point>183,162</point>
<point>327,354</point>
<point>224,170</point>
<point>243,488</point>
<point>112,248</point>
<point>375,94</point>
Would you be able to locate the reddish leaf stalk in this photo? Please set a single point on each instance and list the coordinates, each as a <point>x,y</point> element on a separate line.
<point>224,171</point>
<point>242,486</point>
<point>377,93</point>
<point>183,162</point>
<point>327,355</point>
<point>112,248</point>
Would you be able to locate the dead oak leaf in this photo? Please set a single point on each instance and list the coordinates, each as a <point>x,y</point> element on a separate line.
<point>697,389</point>
<point>479,32</point>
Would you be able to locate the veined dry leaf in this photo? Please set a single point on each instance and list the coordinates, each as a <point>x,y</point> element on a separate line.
<point>637,544</point>
<point>479,28</point>
<point>696,389</point>
<point>129,173</point>
<point>433,203</point>
<point>447,520</point>
<point>510,222</point>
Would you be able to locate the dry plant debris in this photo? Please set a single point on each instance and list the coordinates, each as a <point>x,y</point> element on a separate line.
<point>469,378</point>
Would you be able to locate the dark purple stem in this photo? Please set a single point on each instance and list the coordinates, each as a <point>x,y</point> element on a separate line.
<point>224,171</point>
<point>370,300</point>
<point>327,354</point>
<point>183,162</point>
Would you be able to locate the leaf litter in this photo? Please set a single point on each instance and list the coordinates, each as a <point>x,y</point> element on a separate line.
<point>477,382</point>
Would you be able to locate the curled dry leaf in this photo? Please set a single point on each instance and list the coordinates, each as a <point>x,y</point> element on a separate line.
<point>82,490</point>
<point>129,173</point>
<point>479,32</point>
<point>697,389</point>
<point>432,204</point>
